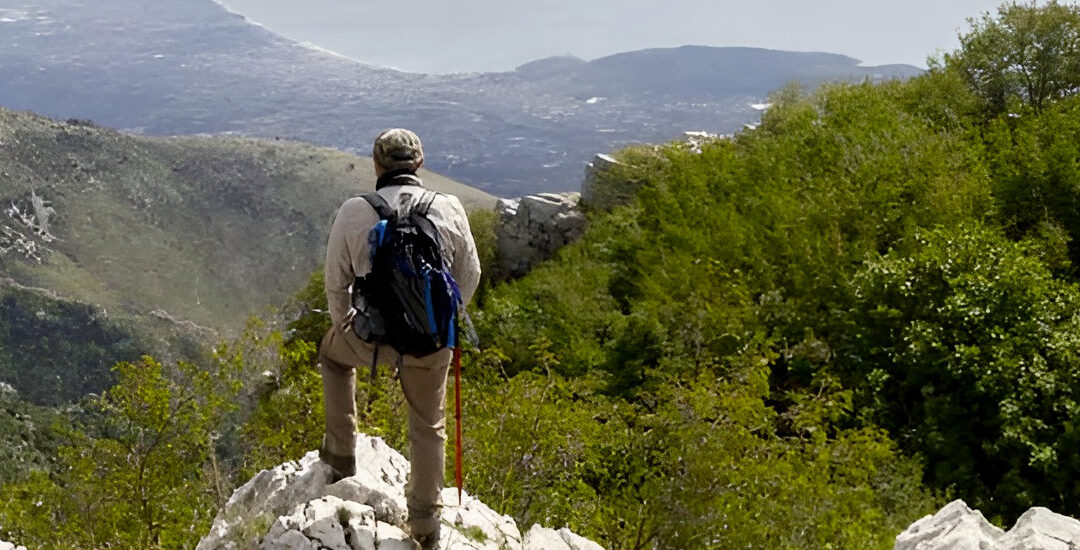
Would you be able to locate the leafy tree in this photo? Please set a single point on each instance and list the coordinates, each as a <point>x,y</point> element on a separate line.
<point>617,184</point>
<point>30,436</point>
<point>940,96</point>
<point>969,349</point>
<point>286,420</point>
<point>1033,163</point>
<point>1028,53</point>
<point>143,476</point>
<point>55,351</point>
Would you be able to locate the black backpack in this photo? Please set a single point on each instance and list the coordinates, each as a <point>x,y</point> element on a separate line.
<point>409,300</point>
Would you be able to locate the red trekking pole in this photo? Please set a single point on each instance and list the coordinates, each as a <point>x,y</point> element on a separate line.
<point>457,418</point>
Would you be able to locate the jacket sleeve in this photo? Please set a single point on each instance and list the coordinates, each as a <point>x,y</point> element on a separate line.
<point>466,263</point>
<point>339,270</point>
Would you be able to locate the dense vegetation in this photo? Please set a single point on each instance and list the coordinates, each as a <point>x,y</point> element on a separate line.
<point>41,337</point>
<point>805,336</point>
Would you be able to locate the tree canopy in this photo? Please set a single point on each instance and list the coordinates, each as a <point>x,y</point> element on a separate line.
<point>1026,53</point>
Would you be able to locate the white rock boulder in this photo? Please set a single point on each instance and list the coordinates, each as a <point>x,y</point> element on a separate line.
<point>957,527</point>
<point>563,539</point>
<point>294,506</point>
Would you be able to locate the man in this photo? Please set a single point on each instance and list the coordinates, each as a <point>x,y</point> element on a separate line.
<point>398,154</point>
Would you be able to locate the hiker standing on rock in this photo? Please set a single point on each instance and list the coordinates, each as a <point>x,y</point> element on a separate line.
<point>369,313</point>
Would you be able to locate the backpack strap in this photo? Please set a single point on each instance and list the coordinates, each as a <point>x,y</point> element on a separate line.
<point>385,211</point>
<point>380,205</point>
<point>424,206</point>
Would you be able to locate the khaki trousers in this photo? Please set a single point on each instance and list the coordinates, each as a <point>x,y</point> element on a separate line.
<point>423,382</point>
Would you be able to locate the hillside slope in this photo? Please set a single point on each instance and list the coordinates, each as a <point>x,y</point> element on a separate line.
<point>195,233</point>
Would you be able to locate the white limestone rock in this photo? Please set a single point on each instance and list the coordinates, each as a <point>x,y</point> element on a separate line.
<point>293,506</point>
<point>288,540</point>
<point>475,525</point>
<point>1041,529</point>
<point>391,537</point>
<point>576,541</point>
<point>378,484</point>
<point>9,546</point>
<point>327,522</point>
<point>957,527</point>
<point>531,229</point>
<point>543,538</point>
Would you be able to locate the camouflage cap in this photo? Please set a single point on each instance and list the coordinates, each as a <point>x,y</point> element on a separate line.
<point>398,149</point>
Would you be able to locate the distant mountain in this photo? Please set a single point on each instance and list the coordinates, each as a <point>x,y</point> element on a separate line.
<point>697,72</point>
<point>183,67</point>
<point>112,246</point>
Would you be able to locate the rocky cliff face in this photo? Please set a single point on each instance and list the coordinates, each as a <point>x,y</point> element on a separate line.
<point>531,229</point>
<point>957,527</point>
<point>294,506</point>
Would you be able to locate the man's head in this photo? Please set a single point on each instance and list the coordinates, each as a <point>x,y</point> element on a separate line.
<point>397,149</point>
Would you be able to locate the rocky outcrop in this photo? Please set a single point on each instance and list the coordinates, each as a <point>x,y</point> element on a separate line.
<point>695,141</point>
<point>957,527</point>
<point>10,546</point>
<point>26,232</point>
<point>294,506</point>
<point>600,164</point>
<point>531,229</point>
<point>610,182</point>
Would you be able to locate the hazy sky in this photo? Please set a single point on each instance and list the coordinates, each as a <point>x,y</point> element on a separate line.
<point>496,35</point>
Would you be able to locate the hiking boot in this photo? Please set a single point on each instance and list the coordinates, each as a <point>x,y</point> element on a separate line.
<point>424,526</point>
<point>335,475</point>
<point>430,541</point>
<point>341,467</point>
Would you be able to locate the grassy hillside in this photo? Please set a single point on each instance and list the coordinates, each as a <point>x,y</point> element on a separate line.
<point>206,229</point>
<point>193,233</point>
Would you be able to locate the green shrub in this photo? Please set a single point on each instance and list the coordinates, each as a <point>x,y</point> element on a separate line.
<point>968,349</point>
